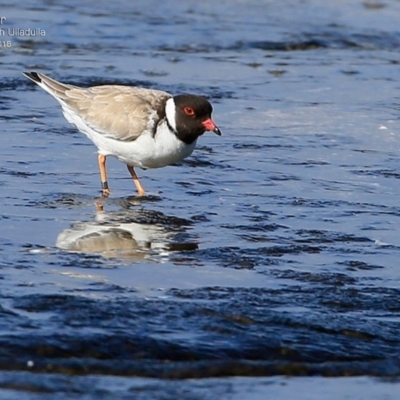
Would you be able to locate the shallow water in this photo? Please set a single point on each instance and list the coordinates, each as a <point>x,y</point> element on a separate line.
<point>265,262</point>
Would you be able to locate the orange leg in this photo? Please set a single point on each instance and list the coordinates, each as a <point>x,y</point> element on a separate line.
<point>136,181</point>
<point>103,175</point>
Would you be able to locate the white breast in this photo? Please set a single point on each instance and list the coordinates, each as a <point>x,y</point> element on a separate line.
<point>155,151</point>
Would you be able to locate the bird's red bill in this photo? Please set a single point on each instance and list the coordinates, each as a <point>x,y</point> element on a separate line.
<point>210,125</point>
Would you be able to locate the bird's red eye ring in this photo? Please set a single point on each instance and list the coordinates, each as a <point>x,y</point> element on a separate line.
<point>188,111</point>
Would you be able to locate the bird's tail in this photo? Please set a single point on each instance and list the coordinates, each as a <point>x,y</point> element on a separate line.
<point>51,86</point>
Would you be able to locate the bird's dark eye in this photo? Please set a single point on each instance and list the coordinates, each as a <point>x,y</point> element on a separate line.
<point>188,111</point>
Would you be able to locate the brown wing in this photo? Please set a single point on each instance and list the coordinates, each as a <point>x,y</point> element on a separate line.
<point>119,112</point>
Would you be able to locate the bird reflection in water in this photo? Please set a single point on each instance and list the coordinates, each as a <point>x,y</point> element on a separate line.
<point>128,234</point>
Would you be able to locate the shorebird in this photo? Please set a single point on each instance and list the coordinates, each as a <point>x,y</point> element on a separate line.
<point>143,128</point>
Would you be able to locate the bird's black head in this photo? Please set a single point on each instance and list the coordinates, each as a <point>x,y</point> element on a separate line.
<point>193,117</point>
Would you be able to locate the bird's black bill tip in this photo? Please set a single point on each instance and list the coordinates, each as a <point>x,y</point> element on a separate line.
<point>217,131</point>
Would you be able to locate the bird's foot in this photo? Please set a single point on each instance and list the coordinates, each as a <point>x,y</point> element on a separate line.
<point>105,192</point>
<point>105,189</point>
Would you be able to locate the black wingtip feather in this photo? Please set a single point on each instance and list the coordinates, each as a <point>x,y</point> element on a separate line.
<point>34,76</point>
